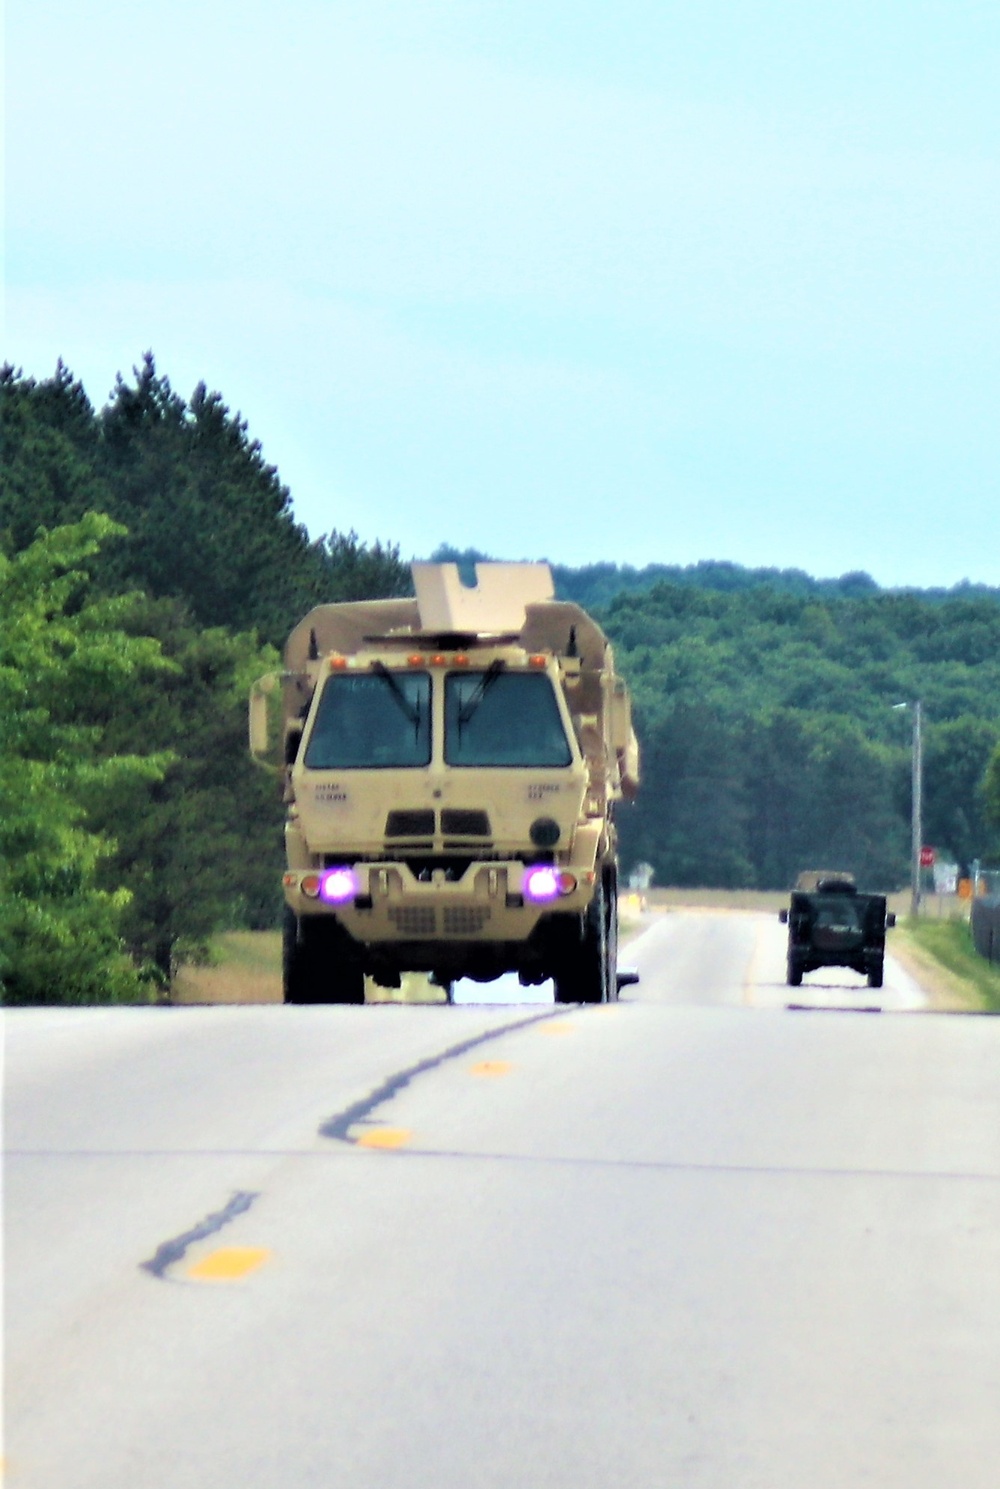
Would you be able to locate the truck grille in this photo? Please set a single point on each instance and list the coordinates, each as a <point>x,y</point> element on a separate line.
<point>413,920</point>
<point>410,824</point>
<point>421,920</point>
<point>465,920</point>
<point>458,823</point>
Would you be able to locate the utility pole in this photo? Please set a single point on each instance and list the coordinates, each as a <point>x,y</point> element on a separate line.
<point>917,802</point>
<point>917,815</point>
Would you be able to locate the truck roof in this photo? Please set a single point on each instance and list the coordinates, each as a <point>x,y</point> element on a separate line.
<point>506,613</point>
<point>812,881</point>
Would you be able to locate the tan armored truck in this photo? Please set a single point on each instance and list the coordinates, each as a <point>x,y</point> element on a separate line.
<point>452,763</point>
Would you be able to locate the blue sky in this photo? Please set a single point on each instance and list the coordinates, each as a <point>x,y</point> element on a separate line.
<point>647,282</point>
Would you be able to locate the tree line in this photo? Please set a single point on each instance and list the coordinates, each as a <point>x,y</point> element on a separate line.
<point>774,739</point>
<point>150,564</point>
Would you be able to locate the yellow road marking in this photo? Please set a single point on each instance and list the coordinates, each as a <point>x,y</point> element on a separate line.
<point>491,1067</point>
<point>385,1137</point>
<point>557,1029</point>
<point>229,1263</point>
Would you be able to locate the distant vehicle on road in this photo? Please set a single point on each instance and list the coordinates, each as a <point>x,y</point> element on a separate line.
<point>830,924</point>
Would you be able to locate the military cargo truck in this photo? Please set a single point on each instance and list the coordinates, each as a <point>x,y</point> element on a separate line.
<point>831,925</point>
<point>452,763</point>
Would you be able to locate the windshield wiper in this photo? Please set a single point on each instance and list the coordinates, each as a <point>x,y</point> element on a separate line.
<point>483,686</point>
<point>411,710</point>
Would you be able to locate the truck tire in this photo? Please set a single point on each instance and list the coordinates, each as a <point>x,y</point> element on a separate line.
<point>875,975</point>
<point>611,921</point>
<point>794,977</point>
<point>316,965</point>
<point>583,975</point>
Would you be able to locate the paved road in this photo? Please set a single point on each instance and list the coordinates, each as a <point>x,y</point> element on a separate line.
<point>694,1239</point>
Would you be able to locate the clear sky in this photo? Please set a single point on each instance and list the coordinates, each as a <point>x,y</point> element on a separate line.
<point>634,280</point>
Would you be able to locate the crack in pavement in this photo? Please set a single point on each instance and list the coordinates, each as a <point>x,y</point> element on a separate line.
<point>359,1112</point>
<point>172,1251</point>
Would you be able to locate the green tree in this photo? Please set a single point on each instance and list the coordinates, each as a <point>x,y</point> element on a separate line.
<point>209,520</point>
<point>957,755</point>
<point>200,847</point>
<point>48,456</point>
<point>60,930</point>
<point>692,826</point>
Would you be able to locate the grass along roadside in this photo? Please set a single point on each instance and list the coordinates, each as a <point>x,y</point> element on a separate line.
<point>245,967</point>
<point>940,955</point>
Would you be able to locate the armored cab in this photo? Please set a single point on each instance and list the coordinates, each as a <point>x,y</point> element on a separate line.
<point>452,763</point>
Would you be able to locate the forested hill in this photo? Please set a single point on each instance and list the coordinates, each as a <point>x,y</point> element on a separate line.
<point>596,585</point>
<point>773,739</point>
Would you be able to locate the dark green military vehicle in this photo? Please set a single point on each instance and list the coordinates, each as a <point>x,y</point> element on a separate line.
<point>831,925</point>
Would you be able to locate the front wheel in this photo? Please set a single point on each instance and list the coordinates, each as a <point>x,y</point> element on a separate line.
<point>586,973</point>
<point>317,965</point>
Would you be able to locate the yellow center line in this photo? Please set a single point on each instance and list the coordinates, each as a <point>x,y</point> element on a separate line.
<point>385,1137</point>
<point>229,1264</point>
<point>491,1067</point>
<point>557,1029</point>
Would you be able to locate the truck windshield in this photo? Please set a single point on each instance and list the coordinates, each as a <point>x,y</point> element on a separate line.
<point>503,718</point>
<point>372,721</point>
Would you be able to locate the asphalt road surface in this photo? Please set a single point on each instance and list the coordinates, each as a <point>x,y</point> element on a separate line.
<point>693,1239</point>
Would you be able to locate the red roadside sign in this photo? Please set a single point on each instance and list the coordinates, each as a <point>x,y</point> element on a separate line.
<point>926,858</point>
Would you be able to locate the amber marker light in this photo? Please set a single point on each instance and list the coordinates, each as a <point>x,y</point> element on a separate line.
<point>338,664</point>
<point>416,660</point>
<point>536,661</point>
<point>309,885</point>
<point>439,661</point>
<point>461,660</point>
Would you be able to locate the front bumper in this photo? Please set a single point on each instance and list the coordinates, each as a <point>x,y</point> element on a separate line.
<point>487,904</point>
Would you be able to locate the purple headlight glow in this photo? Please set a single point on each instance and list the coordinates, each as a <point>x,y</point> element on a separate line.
<point>541,883</point>
<point>338,886</point>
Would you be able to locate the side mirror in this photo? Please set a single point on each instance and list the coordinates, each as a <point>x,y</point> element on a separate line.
<point>620,715</point>
<point>265,716</point>
<point>783,916</point>
<point>890,920</point>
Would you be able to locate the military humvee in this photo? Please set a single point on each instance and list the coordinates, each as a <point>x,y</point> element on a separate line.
<point>452,763</point>
<point>831,925</point>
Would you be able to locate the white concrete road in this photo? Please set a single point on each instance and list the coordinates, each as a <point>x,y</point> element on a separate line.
<point>695,1239</point>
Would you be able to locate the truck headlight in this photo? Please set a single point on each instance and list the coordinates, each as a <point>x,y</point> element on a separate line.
<point>338,885</point>
<point>544,882</point>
